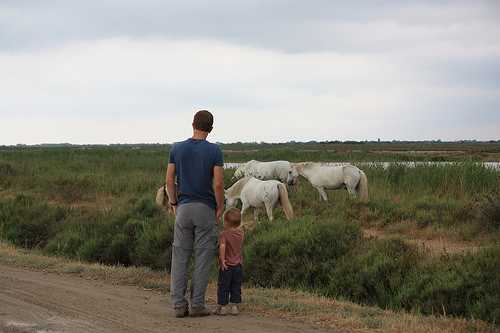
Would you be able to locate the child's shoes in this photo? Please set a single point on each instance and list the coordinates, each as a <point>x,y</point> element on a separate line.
<point>221,310</point>
<point>234,310</point>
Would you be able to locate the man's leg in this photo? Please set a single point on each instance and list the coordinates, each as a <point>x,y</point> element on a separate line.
<point>178,276</point>
<point>181,253</point>
<point>203,260</point>
<point>205,238</point>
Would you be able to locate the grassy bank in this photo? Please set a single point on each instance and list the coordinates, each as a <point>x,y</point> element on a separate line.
<point>305,307</point>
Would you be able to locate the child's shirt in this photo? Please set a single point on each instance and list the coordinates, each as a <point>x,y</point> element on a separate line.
<point>233,238</point>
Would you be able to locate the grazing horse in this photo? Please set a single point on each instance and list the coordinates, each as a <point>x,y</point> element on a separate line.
<point>324,177</point>
<point>279,170</point>
<point>259,193</point>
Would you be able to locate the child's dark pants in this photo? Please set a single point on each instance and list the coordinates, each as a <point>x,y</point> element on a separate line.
<point>229,285</point>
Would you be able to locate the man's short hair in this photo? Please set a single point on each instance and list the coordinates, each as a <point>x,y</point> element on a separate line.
<point>203,121</point>
<point>233,217</point>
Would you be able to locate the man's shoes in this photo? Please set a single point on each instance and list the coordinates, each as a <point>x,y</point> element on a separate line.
<point>201,311</point>
<point>181,312</point>
<point>221,310</point>
<point>234,310</point>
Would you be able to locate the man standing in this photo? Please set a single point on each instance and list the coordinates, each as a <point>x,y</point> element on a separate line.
<point>198,203</point>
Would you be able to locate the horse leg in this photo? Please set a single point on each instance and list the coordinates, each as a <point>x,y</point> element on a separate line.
<point>269,211</point>
<point>256,212</point>
<point>250,224</point>
<point>350,185</point>
<point>322,193</point>
<point>351,190</point>
<point>244,207</point>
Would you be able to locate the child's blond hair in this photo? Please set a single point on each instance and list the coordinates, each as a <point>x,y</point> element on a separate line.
<point>232,217</point>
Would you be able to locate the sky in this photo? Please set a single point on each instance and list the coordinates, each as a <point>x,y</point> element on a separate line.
<point>121,71</point>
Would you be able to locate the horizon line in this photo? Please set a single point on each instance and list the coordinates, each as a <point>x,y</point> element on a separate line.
<point>258,142</point>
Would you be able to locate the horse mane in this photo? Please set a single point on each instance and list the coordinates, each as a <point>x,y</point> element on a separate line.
<point>241,170</point>
<point>300,166</point>
<point>235,189</point>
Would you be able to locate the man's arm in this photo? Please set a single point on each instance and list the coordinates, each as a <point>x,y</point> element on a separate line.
<point>219,190</point>
<point>171,186</point>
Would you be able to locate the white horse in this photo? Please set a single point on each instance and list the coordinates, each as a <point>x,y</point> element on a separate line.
<point>162,199</point>
<point>279,170</point>
<point>329,177</point>
<point>259,193</point>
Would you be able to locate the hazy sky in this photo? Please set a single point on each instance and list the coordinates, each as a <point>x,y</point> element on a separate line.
<point>119,71</point>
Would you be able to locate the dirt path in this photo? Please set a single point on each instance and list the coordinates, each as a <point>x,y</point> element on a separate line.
<point>437,246</point>
<point>32,301</point>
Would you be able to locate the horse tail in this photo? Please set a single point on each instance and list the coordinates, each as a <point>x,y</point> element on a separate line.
<point>161,195</point>
<point>285,202</point>
<point>162,199</point>
<point>362,188</point>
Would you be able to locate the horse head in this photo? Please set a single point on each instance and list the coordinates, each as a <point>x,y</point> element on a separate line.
<point>230,200</point>
<point>232,194</point>
<point>292,175</point>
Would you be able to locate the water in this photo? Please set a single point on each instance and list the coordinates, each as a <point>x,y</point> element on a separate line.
<point>385,165</point>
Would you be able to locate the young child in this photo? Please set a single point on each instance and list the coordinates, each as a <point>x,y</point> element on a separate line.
<point>230,261</point>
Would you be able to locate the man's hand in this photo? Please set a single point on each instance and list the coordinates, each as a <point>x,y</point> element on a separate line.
<point>218,214</point>
<point>174,209</point>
